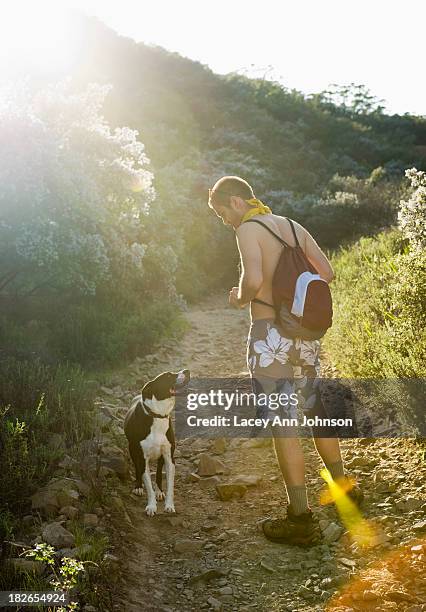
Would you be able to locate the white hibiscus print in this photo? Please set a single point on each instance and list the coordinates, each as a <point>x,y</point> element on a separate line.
<point>309,350</point>
<point>273,347</point>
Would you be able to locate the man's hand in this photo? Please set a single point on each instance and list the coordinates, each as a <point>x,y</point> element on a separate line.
<point>233,298</point>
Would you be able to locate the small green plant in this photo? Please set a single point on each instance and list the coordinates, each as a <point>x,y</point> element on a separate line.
<point>65,577</point>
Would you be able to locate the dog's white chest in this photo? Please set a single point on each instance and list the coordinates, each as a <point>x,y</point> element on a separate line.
<point>156,442</point>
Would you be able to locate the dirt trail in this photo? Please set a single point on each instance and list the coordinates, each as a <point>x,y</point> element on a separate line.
<point>163,559</point>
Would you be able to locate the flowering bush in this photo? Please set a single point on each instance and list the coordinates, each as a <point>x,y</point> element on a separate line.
<point>412,213</point>
<point>75,193</point>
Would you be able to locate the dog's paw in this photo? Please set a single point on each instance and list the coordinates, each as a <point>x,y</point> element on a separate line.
<point>138,491</point>
<point>169,508</point>
<point>151,509</point>
<point>159,494</point>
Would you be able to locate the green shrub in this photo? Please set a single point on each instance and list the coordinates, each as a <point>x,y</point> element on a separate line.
<point>43,410</point>
<point>379,312</point>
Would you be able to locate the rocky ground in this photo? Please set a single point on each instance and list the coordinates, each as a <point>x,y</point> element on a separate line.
<point>211,554</point>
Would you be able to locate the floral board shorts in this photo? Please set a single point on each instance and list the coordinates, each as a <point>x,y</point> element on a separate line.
<point>280,365</point>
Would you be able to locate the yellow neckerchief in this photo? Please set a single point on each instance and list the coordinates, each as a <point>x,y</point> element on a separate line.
<point>259,209</point>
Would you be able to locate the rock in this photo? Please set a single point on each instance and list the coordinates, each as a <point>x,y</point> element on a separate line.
<point>185,545</point>
<point>379,539</point>
<point>45,500</point>
<point>348,562</point>
<point>90,520</point>
<point>192,477</point>
<point>219,446</point>
<point>214,603</point>
<point>230,491</point>
<point>395,595</point>
<point>69,511</point>
<point>266,566</point>
<point>420,526</point>
<point>67,497</point>
<point>208,482</point>
<point>304,592</point>
<point>58,536</point>
<point>248,480</point>
<point>209,466</point>
<point>26,566</point>
<point>332,532</point>
<point>226,590</point>
<point>412,503</point>
<point>82,487</point>
<point>71,553</point>
<point>116,463</point>
<point>257,443</point>
<point>370,595</point>
<point>209,574</point>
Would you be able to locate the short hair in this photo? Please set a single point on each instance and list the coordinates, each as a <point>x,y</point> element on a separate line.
<point>229,186</point>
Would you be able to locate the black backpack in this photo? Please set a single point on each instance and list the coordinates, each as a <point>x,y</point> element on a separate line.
<point>302,299</point>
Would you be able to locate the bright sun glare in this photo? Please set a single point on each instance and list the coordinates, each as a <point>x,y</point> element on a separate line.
<point>34,35</point>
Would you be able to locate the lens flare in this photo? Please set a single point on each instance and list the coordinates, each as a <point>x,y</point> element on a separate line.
<point>362,531</point>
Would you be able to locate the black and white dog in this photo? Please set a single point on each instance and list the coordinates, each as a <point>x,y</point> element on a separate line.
<point>149,431</point>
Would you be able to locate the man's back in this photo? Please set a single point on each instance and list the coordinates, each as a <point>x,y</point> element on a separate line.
<point>257,239</point>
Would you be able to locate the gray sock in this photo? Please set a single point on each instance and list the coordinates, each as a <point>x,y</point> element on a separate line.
<point>336,469</point>
<point>298,498</point>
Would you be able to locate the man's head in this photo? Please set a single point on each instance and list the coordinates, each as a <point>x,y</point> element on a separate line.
<point>228,199</point>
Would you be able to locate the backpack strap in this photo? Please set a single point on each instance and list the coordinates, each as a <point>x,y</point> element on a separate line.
<point>283,242</point>
<point>293,230</point>
<point>257,301</point>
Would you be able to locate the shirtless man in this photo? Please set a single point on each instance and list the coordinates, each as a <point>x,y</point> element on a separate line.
<point>269,352</point>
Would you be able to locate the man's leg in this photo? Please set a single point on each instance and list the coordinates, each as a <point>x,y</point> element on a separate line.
<point>269,365</point>
<point>291,460</point>
<point>329,451</point>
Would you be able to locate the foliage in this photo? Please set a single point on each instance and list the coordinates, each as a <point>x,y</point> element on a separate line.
<point>412,214</point>
<point>43,410</point>
<point>74,193</point>
<point>379,310</point>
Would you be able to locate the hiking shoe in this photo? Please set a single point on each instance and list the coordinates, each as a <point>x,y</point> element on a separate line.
<point>297,530</point>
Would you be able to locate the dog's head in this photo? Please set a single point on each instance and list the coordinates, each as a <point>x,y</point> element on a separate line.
<point>165,385</point>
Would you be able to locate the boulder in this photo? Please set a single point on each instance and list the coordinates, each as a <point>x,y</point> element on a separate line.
<point>69,511</point>
<point>209,466</point>
<point>45,501</point>
<point>117,463</point>
<point>209,481</point>
<point>67,497</point>
<point>56,535</point>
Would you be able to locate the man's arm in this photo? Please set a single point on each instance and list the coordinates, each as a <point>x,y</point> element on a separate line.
<point>314,254</point>
<point>251,262</point>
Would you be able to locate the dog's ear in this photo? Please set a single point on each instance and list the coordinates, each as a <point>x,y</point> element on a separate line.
<point>147,389</point>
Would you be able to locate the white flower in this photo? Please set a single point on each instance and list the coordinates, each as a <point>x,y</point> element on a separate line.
<point>274,347</point>
<point>309,350</point>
